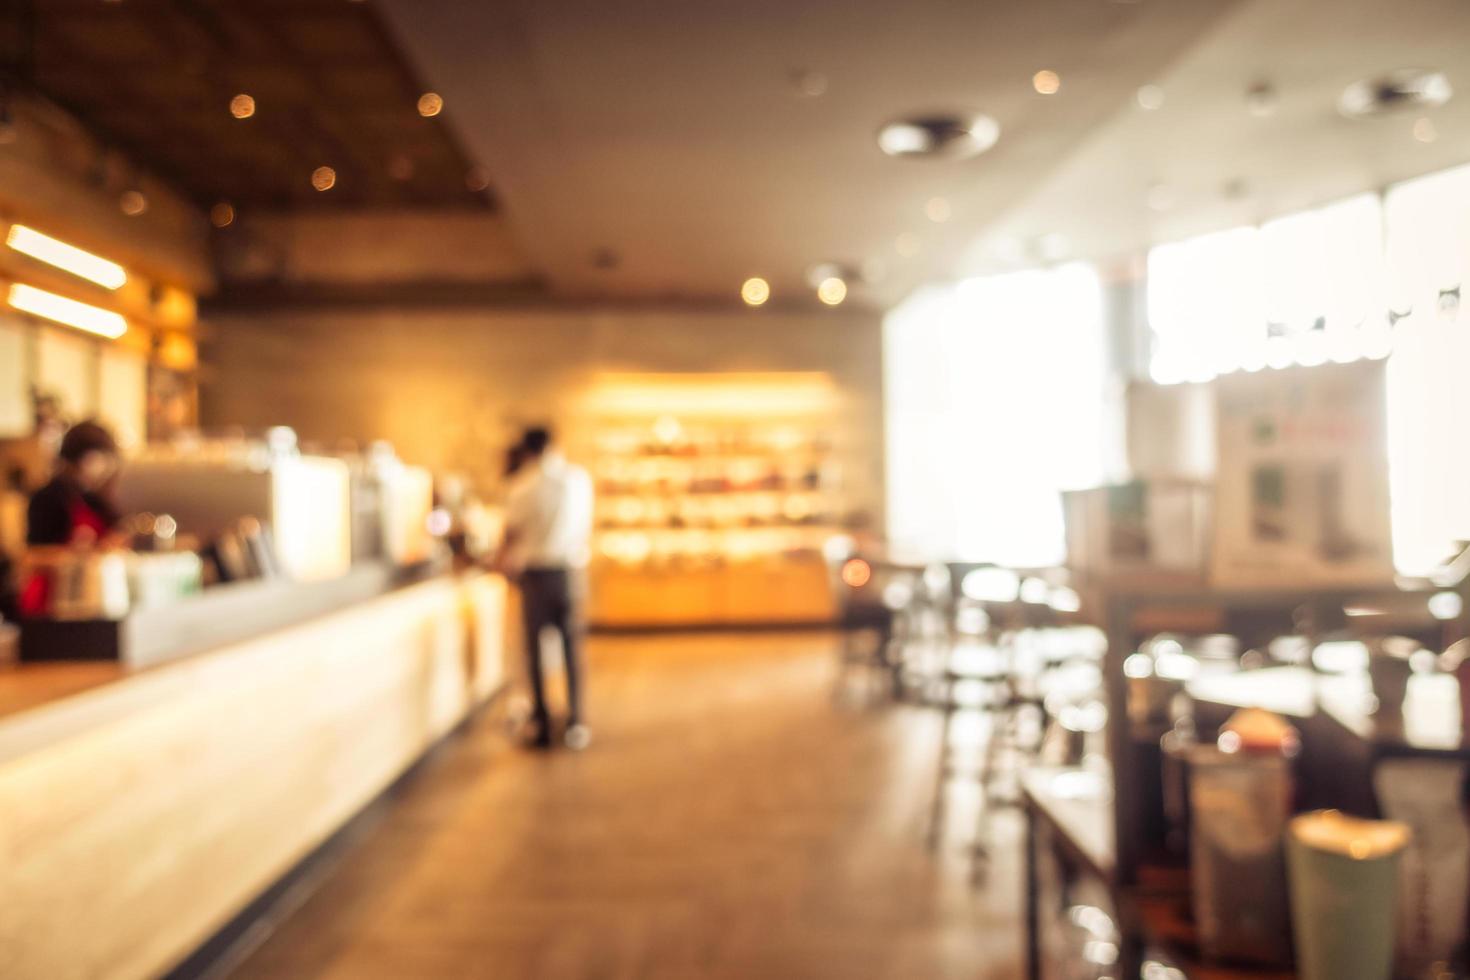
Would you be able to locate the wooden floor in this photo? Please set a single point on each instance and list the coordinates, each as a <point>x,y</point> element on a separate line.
<point>729,821</point>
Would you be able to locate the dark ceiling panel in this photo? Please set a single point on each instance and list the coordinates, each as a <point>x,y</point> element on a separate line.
<point>154,79</point>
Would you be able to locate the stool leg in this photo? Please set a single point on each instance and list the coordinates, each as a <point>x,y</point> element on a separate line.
<point>941,775</point>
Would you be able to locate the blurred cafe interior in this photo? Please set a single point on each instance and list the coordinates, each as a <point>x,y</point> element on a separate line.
<point>718,490</point>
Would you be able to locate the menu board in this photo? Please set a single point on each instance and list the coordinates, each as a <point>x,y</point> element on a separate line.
<point>1302,483</point>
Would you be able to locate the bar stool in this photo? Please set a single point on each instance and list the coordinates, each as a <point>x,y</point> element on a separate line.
<point>975,682</point>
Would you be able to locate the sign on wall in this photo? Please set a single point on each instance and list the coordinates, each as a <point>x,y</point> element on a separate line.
<point>1302,486</point>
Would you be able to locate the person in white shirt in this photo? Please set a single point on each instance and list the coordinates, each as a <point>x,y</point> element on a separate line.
<point>548,530</point>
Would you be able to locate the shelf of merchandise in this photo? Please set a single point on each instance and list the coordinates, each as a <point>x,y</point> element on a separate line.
<point>712,521</point>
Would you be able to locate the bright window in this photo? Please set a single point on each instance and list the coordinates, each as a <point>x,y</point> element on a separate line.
<point>994,391</point>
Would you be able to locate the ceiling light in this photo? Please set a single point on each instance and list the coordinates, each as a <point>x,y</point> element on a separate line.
<point>832,291</point>
<point>68,258</point>
<point>938,210</point>
<point>242,106</point>
<point>1046,82</point>
<point>809,84</point>
<point>941,135</point>
<point>907,245</point>
<point>478,179</point>
<point>1261,100</point>
<point>324,178</point>
<point>1401,89</point>
<point>133,203</point>
<point>1150,97</point>
<point>222,215</point>
<point>1424,130</point>
<point>755,291</point>
<point>430,104</point>
<point>59,309</point>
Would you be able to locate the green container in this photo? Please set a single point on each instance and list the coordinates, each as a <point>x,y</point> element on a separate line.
<point>1344,891</point>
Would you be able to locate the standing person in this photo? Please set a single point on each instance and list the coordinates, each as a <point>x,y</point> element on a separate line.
<point>548,528</point>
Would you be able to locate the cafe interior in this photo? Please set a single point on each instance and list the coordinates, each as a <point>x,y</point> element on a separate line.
<point>1009,498</point>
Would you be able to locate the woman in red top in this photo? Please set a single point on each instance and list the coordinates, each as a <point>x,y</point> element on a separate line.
<point>72,511</point>
<point>73,507</point>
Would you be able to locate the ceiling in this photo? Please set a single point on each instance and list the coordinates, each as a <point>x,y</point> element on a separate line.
<point>1203,162</point>
<point>154,79</point>
<point>661,148</point>
<point>671,135</point>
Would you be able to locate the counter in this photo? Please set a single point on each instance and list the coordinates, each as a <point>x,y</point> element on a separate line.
<point>141,811</point>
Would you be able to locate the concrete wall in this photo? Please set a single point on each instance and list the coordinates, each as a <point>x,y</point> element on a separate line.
<point>451,386</point>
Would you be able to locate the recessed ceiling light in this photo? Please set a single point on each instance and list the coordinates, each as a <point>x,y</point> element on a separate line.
<point>1424,130</point>
<point>1401,89</point>
<point>832,291</point>
<point>1046,82</point>
<point>755,291</point>
<point>133,203</point>
<point>1262,100</point>
<point>478,179</point>
<point>1150,97</point>
<point>809,84</point>
<point>430,104</point>
<point>242,106</point>
<point>943,135</point>
<point>324,178</point>
<point>222,215</point>
<point>1236,189</point>
<point>938,210</point>
<point>907,244</point>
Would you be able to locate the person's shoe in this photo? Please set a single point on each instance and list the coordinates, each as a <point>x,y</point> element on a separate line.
<point>540,738</point>
<point>578,737</point>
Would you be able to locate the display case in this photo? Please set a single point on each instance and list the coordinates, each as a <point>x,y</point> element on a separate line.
<point>714,502</point>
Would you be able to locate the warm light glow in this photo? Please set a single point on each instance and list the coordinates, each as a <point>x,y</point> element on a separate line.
<point>242,106</point>
<point>856,573</point>
<point>1046,82</point>
<point>59,309</point>
<point>324,178</point>
<point>1424,130</point>
<point>222,215</point>
<point>755,291</point>
<point>938,210</point>
<point>832,291</point>
<point>430,104</point>
<point>68,258</point>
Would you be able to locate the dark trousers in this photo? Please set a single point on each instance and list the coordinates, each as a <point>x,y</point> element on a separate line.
<point>549,598</point>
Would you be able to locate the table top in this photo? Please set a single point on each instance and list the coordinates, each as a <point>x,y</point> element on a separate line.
<point>1079,806</point>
